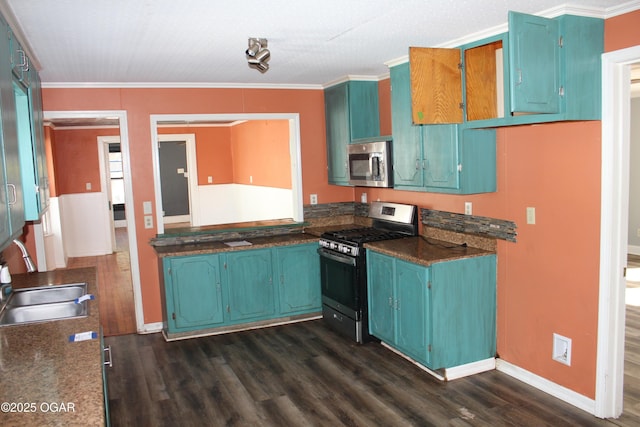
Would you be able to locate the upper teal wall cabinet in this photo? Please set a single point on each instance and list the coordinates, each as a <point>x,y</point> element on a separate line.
<point>351,112</point>
<point>447,158</point>
<point>542,70</point>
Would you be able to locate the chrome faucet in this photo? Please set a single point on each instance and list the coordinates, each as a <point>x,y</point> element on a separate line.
<point>28,262</point>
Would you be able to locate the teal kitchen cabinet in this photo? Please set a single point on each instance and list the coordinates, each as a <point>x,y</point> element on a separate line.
<point>541,70</point>
<point>12,218</point>
<point>446,158</point>
<point>248,278</point>
<point>441,316</point>
<point>398,304</point>
<point>381,296</point>
<point>193,294</point>
<point>298,271</point>
<point>351,112</point>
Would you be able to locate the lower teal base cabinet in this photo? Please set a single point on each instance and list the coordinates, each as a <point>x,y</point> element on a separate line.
<point>441,316</point>
<point>211,292</point>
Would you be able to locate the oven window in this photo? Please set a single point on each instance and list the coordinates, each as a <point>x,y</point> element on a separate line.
<point>339,282</point>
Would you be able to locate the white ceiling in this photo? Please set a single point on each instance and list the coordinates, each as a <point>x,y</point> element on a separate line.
<point>202,42</point>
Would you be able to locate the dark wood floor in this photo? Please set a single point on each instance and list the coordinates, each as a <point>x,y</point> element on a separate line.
<point>304,374</point>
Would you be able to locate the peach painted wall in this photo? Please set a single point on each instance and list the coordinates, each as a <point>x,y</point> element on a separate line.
<point>213,150</point>
<point>75,155</point>
<point>261,153</point>
<point>49,143</point>
<point>141,103</point>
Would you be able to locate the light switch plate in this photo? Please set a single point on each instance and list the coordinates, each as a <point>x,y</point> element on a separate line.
<point>531,215</point>
<point>147,208</point>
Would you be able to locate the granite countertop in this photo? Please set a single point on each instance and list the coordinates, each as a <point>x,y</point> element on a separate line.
<point>220,246</point>
<point>40,370</point>
<point>425,251</point>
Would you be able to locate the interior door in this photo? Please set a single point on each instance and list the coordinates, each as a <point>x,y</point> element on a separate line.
<point>174,180</point>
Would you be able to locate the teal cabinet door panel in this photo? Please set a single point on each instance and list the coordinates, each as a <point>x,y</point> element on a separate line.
<point>534,49</point>
<point>414,324</point>
<point>381,296</point>
<point>298,270</point>
<point>250,284</point>
<point>407,137</point>
<point>338,133</point>
<point>195,295</point>
<point>441,156</point>
<point>364,119</point>
<point>478,160</point>
<point>463,303</point>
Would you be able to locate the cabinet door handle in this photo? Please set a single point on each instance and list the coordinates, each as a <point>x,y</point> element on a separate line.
<point>13,192</point>
<point>417,164</point>
<point>391,302</point>
<point>519,71</point>
<point>109,362</point>
<point>23,62</point>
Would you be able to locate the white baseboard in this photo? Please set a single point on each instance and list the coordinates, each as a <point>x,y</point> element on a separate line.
<point>151,328</point>
<point>576,399</point>
<point>470,369</point>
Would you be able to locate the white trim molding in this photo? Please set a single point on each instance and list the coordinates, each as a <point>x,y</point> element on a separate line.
<point>614,215</point>
<point>576,399</point>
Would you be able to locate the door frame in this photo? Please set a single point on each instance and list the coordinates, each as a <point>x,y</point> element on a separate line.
<point>121,115</point>
<point>105,188</point>
<point>614,217</point>
<point>192,172</point>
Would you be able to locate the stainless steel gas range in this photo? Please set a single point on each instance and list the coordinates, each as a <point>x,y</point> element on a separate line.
<point>343,266</point>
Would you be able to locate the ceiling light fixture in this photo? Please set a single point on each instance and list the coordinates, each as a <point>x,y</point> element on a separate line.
<point>258,55</point>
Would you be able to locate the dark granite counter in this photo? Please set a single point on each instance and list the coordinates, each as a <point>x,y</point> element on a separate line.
<point>425,251</point>
<point>44,378</point>
<point>220,246</point>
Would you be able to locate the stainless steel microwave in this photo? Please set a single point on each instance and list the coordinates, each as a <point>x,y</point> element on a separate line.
<point>370,163</point>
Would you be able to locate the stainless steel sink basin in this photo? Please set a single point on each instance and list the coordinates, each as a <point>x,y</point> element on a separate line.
<point>42,312</point>
<point>47,295</point>
<point>44,303</point>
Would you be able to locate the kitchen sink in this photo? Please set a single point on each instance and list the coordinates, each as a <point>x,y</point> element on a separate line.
<point>42,312</point>
<point>44,303</point>
<point>47,295</point>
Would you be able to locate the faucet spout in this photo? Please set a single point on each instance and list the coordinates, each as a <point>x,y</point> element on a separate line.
<point>28,262</point>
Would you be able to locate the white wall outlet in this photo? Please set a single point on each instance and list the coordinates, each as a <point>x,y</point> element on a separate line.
<point>250,179</point>
<point>468,208</point>
<point>313,199</point>
<point>210,179</point>
<point>531,215</point>
<point>88,186</point>
<point>561,349</point>
<point>363,198</point>
<point>148,221</point>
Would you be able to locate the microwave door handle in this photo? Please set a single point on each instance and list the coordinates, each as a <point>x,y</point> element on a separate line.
<point>375,167</point>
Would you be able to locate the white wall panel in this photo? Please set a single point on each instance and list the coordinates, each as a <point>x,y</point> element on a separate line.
<point>229,203</point>
<point>85,224</point>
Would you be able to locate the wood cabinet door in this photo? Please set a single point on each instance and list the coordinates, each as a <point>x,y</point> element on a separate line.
<point>412,308</point>
<point>195,286</point>
<point>441,156</point>
<point>381,298</point>
<point>436,85</point>
<point>250,284</point>
<point>407,137</point>
<point>298,278</point>
<point>534,69</point>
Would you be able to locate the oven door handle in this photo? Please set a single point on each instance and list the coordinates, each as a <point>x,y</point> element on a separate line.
<point>344,259</point>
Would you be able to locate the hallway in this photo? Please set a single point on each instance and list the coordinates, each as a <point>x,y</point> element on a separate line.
<point>117,312</point>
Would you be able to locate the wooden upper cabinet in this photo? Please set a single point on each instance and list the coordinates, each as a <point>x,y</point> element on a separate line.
<point>436,85</point>
<point>483,81</point>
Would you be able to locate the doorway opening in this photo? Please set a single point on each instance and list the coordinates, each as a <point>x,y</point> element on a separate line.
<point>84,119</point>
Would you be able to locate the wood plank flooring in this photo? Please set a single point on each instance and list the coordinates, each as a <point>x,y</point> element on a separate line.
<point>115,291</point>
<point>305,374</point>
